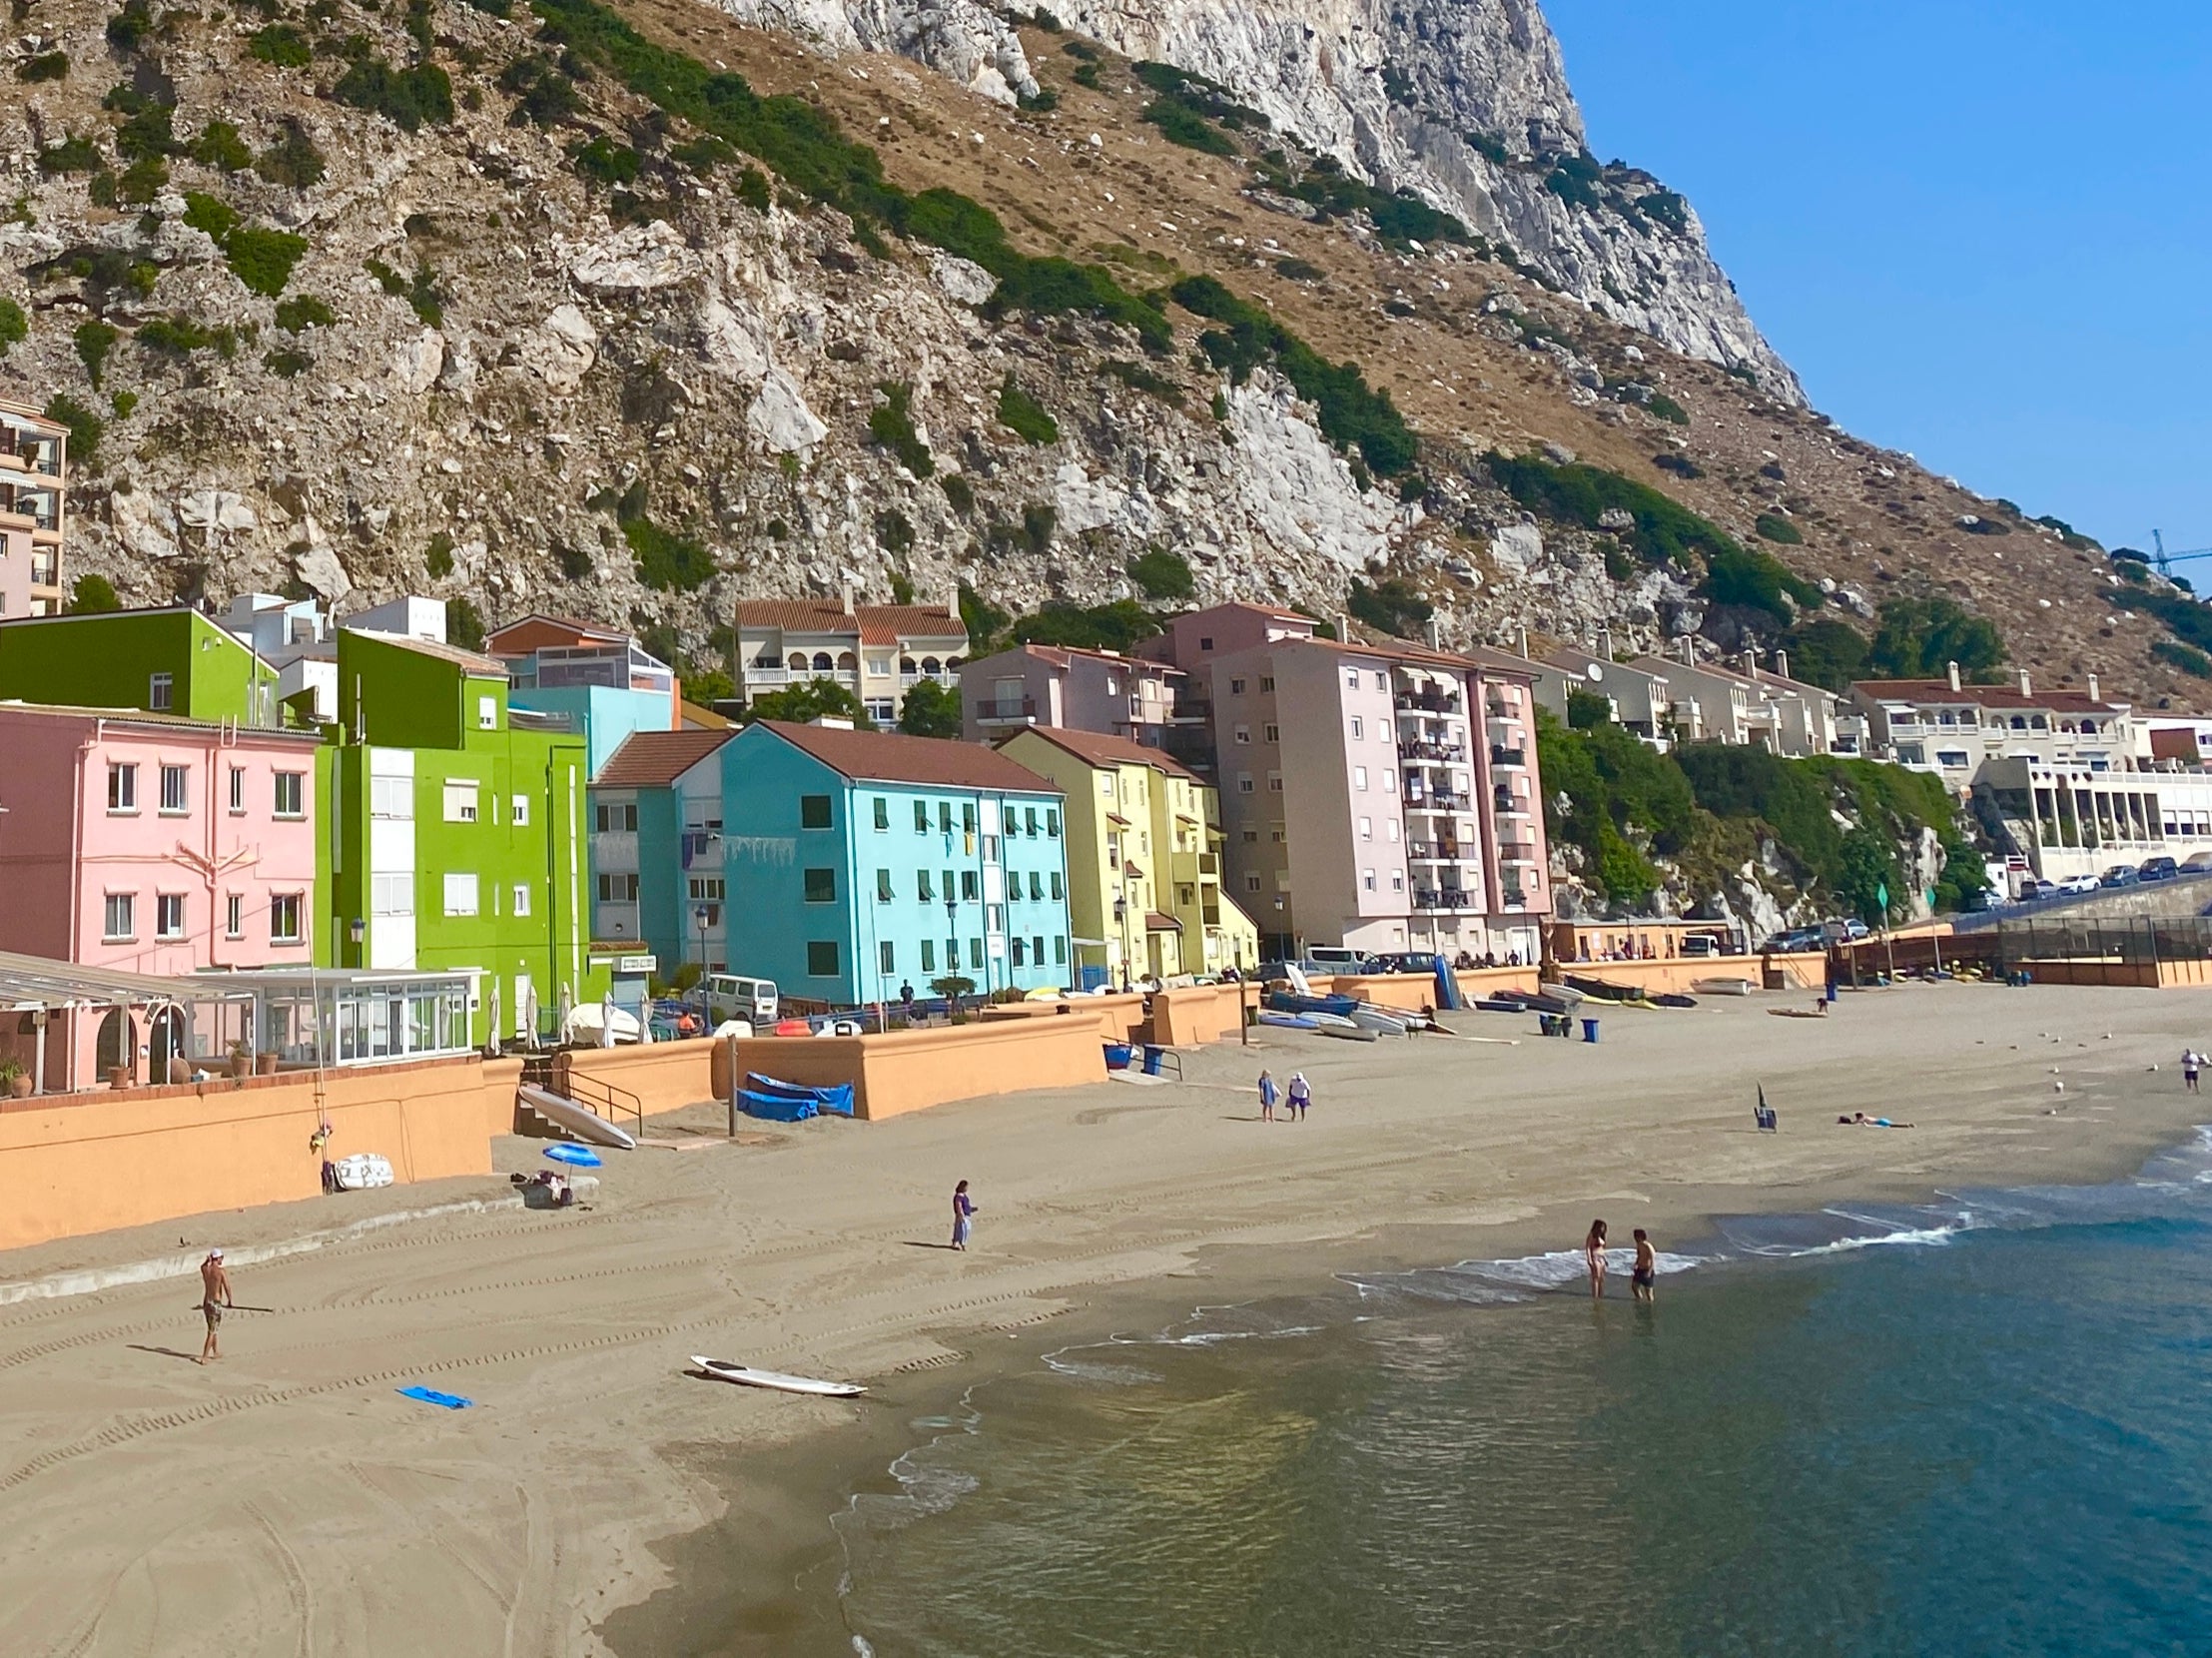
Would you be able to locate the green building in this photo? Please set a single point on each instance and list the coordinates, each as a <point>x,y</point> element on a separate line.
<point>170,660</point>
<point>453,833</point>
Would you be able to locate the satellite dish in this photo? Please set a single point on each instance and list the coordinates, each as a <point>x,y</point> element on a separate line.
<point>1594,672</point>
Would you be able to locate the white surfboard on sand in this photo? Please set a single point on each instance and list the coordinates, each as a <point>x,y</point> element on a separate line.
<point>723,1369</point>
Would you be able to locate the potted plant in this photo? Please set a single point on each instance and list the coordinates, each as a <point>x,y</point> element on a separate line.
<point>265,1065</point>
<point>17,1079</point>
<point>242,1061</point>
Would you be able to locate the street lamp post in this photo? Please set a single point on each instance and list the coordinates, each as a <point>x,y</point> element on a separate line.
<point>952,946</point>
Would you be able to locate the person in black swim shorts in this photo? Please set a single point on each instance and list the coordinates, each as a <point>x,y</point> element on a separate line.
<point>1644,1275</point>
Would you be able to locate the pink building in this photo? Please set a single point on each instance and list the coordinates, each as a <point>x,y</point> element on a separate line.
<point>153,845</point>
<point>32,455</point>
<point>1382,797</point>
<point>1072,690</point>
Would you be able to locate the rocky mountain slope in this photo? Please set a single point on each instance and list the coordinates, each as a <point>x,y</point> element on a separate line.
<point>633,313</point>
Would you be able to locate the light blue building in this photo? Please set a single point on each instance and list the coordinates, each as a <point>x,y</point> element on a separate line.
<point>600,679</point>
<point>842,864</point>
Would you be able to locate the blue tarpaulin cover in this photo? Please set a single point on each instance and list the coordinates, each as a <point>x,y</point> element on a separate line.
<point>430,1395</point>
<point>835,1099</point>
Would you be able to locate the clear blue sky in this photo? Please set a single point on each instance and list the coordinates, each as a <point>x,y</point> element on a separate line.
<point>1979,232</point>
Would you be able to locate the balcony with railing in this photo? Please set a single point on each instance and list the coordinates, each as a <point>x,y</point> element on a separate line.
<point>767,676</point>
<point>1505,803</point>
<point>1500,755</point>
<point>911,677</point>
<point>1428,702</point>
<point>1445,898</point>
<point>1006,710</point>
<point>615,850</point>
<point>1516,852</point>
<point>1439,852</point>
<point>1433,753</point>
<point>1437,803</point>
<point>45,569</point>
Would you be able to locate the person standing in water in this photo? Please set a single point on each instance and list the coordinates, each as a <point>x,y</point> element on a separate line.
<point>1301,1095</point>
<point>215,1295</point>
<point>964,1209</point>
<point>1268,1094</point>
<point>1593,1251</point>
<point>2191,1063</point>
<point>1645,1276</point>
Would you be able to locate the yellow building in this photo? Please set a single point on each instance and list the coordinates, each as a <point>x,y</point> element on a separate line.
<point>1143,859</point>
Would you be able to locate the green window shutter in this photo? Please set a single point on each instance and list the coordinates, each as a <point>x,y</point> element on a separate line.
<point>822,959</point>
<point>883,813</point>
<point>821,886</point>
<point>813,811</point>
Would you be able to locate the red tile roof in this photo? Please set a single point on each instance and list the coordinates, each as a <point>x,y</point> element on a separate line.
<point>1099,749</point>
<point>890,758</point>
<point>1985,696</point>
<point>876,625</point>
<point>655,759</point>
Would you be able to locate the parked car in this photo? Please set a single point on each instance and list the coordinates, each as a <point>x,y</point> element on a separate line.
<point>1337,958</point>
<point>732,996</point>
<point>2074,885</point>
<point>2032,888</point>
<point>1797,942</point>
<point>2119,875</point>
<point>2197,863</point>
<point>2157,869</point>
<point>1844,931</point>
<point>1408,961</point>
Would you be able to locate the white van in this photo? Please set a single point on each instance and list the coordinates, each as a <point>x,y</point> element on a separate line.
<point>1700,944</point>
<point>731,997</point>
<point>1334,958</point>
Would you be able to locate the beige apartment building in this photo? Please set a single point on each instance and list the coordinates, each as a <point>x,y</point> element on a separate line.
<point>1061,685</point>
<point>33,509</point>
<point>879,652</point>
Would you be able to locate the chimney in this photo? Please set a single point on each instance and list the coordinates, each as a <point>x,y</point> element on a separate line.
<point>1751,665</point>
<point>1436,635</point>
<point>1781,664</point>
<point>2092,687</point>
<point>952,597</point>
<point>1524,644</point>
<point>1605,638</point>
<point>1953,670</point>
<point>1343,628</point>
<point>2024,688</point>
<point>1689,650</point>
<point>845,597</point>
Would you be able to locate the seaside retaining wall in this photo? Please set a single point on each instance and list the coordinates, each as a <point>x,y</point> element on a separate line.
<point>1116,1017</point>
<point>663,1076</point>
<point>125,1158</point>
<point>902,1071</point>
<point>1667,978</point>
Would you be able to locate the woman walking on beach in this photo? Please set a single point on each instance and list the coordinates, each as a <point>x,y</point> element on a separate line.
<point>1593,1249</point>
<point>1268,1094</point>
<point>964,1209</point>
<point>1301,1095</point>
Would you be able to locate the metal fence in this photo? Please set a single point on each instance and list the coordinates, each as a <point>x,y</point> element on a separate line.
<point>2148,939</point>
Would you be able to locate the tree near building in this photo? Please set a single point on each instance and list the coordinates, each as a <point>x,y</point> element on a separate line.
<point>809,701</point>
<point>930,711</point>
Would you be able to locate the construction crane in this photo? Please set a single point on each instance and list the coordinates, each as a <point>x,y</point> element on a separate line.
<point>2165,558</point>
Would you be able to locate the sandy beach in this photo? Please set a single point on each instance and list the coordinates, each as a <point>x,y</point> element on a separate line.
<point>290,1500</point>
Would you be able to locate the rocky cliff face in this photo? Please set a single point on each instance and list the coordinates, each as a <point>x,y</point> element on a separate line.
<point>1461,103</point>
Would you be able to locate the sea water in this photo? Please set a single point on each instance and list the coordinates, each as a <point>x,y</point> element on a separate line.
<point>1981,1425</point>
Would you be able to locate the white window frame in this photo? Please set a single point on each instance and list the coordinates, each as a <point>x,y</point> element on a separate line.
<point>181,777</point>
<point>123,788</point>
<point>238,791</point>
<point>521,896</point>
<point>461,894</point>
<point>234,915</point>
<point>462,799</point>
<point>299,790</point>
<point>487,713</point>
<point>161,692</point>
<point>167,903</point>
<point>126,914</point>
<point>292,906</point>
<point>521,817</point>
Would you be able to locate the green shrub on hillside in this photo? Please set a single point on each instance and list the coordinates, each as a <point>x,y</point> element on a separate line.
<point>85,427</point>
<point>282,44</point>
<point>70,154</point>
<point>1916,638</point>
<point>1393,604</point>
<point>2187,658</point>
<point>94,340</point>
<point>303,312</point>
<point>667,563</point>
<point>891,424</point>
<point>1773,527</point>
<point>292,160</point>
<point>1179,124</point>
<point>15,326</point>
<point>408,98</point>
<point>1115,626</point>
<point>1665,408</point>
<point>1745,576</point>
<point>1163,575</point>
<point>47,66</point>
<point>263,259</point>
<point>1023,416</point>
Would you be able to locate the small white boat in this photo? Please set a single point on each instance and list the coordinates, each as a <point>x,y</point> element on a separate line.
<point>568,1117</point>
<point>587,1025</point>
<point>1723,987</point>
<point>1346,1033</point>
<point>1382,1023</point>
<point>723,1369</point>
<point>1328,1021</point>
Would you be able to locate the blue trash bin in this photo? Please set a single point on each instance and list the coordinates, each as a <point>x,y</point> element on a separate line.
<point>1151,1059</point>
<point>1589,1030</point>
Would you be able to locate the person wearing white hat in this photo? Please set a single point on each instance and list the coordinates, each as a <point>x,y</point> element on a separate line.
<point>215,1295</point>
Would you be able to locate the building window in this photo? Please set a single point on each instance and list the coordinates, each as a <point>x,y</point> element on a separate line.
<point>1243,734</point>
<point>1237,687</point>
<point>1271,731</point>
<point>974,953</point>
<point>883,813</point>
<point>391,797</point>
<point>1243,782</point>
<point>1252,837</point>
<point>618,889</point>
<point>521,899</point>
<point>122,789</point>
<point>952,955</point>
<point>1397,880</point>
<point>460,802</point>
<point>487,713</point>
<point>1060,949</point>
<point>921,887</point>
<point>887,958</point>
<point>1382,681</point>
<point>994,916</point>
<point>1366,828</point>
<point>1205,642</point>
<point>521,804</point>
<point>929,954</point>
<point>968,817</point>
<point>1051,822</point>
<point>1950,757</point>
<point>822,958</point>
<point>1276,835</point>
<point>1037,887</point>
<point>1020,949</point>
<point>119,921</point>
<point>292,794</point>
<point>393,895</point>
<point>1037,949</point>
<point>1359,777</point>
<point>615,818</point>
<point>881,711</point>
<point>159,692</point>
<point>968,892</point>
<point>921,817</point>
<point>1057,893</point>
<point>283,916</point>
<point>1275,782</point>
<point>175,799</point>
<point>991,849</point>
<point>944,817</point>
<point>1029,821</point>
<point>1391,829</point>
<point>883,886</point>
<point>1351,679</point>
<point>169,915</point>
<point>813,811</point>
<point>1389,781</point>
<point>1251,883</point>
<point>821,886</point>
<point>1367,880</point>
<point>1359,729</point>
<point>1266,683</point>
<point>460,894</point>
<point>237,789</point>
<point>234,915</point>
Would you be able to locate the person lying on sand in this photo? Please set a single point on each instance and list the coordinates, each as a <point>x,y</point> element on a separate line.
<point>1859,1119</point>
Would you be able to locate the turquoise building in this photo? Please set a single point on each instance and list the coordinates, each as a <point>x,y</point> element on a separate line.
<point>600,679</point>
<point>842,864</point>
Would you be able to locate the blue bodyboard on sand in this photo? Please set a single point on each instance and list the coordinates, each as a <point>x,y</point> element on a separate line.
<point>430,1395</point>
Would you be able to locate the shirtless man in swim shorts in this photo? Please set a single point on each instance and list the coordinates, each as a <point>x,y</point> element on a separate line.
<point>1644,1274</point>
<point>215,1295</point>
